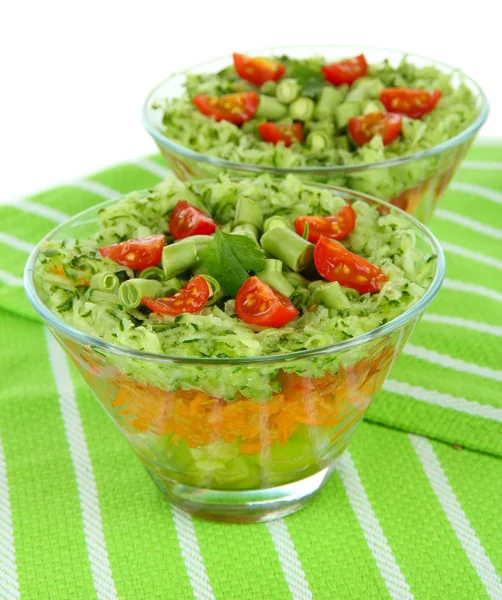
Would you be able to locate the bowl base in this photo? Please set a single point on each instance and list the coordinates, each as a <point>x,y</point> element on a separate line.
<point>242,506</point>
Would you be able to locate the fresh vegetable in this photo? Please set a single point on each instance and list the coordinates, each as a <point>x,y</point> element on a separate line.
<point>413,103</point>
<point>257,70</point>
<point>136,254</point>
<point>236,108</point>
<point>259,304</point>
<point>336,263</point>
<point>191,298</point>
<point>364,128</point>
<point>335,227</point>
<point>346,71</point>
<point>230,259</point>
<point>270,132</point>
<point>187,220</point>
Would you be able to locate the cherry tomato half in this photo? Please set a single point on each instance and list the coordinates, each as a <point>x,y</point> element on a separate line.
<point>186,220</point>
<point>257,70</point>
<point>346,71</point>
<point>336,263</point>
<point>273,133</point>
<point>411,102</point>
<point>259,304</point>
<point>335,227</point>
<point>136,254</point>
<point>363,128</point>
<point>191,298</point>
<point>236,108</point>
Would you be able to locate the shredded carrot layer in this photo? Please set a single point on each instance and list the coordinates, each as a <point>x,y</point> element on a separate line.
<point>200,419</point>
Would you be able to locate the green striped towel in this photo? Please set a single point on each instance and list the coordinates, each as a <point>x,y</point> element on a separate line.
<point>414,510</point>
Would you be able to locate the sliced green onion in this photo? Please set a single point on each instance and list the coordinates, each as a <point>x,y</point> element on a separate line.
<point>132,291</point>
<point>288,246</point>
<point>270,109</point>
<point>105,282</point>
<point>152,273</point>
<point>275,221</point>
<point>302,109</point>
<point>180,257</point>
<point>287,90</point>
<point>248,212</point>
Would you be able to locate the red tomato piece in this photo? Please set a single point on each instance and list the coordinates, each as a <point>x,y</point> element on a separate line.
<point>413,103</point>
<point>191,298</point>
<point>257,70</point>
<point>336,263</point>
<point>346,71</point>
<point>335,227</point>
<point>136,254</point>
<point>273,133</point>
<point>236,108</point>
<point>259,304</point>
<point>363,128</point>
<point>186,220</point>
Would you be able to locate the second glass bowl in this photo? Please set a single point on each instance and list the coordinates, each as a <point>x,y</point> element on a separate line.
<point>422,177</point>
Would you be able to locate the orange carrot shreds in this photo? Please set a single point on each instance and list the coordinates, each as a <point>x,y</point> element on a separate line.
<point>199,419</point>
<point>57,269</point>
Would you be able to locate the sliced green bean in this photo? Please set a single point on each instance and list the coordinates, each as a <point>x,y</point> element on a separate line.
<point>201,241</point>
<point>132,291</point>
<point>302,109</point>
<point>249,230</point>
<point>105,282</point>
<point>296,280</point>
<point>287,90</point>
<point>275,221</point>
<point>330,295</point>
<point>269,88</point>
<point>329,99</point>
<point>277,280</point>
<point>179,257</point>
<point>272,264</point>
<point>288,246</point>
<point>152,273</point>
<point>143,231</point>
<point>319,141</point>
<point>248,212</point>
<point>215,290</point>
<point>270,109</point>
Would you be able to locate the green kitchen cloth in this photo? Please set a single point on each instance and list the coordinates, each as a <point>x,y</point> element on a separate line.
<point>404,516</point>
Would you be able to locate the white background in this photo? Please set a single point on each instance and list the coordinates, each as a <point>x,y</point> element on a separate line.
<point>74,74</point>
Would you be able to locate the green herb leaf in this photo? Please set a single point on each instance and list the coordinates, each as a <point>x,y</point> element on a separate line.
<point>310,80</point>
<point>229,259</point>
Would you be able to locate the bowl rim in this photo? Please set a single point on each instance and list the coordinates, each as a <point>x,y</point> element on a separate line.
<point>89,340</point>
<point>214,161</point>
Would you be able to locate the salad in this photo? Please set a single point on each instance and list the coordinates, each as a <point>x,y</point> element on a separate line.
<point>240,271</point>
<point>293,113</point>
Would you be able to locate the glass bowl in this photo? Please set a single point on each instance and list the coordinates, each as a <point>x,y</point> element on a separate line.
<point>251,458</point>
<point>418,180</point>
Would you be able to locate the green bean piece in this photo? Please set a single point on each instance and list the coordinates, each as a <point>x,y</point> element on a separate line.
<point>287,90</point>
<point>143,231</point>
<point>344,112</point>
<point>249,230</point>
<point>132,291</point>
<point>270,109</point>
<point>269,88</point>
<point>275,221</point>
<point>171,286</point>
<point>100,297</point>
<point>319,141</point>
<point>201,241</point>
<point>215,290</point>
<point>152,273</point>
<point>341,142</point>
<point>273,265</point>
<point>288,246</point>
<point>248,212</point>
<point>277,280</point>
<point>373,106</point>
<point>329,99</point>
<point>300,297</point>
<point>302,109</point>
<point>180,257</point>
<point>330,295</point>
<point>105,282</point>
<point>314,285</point>
<point>296,280</point>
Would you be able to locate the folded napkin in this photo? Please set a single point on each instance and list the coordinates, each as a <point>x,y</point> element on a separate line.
<point>404,515</point>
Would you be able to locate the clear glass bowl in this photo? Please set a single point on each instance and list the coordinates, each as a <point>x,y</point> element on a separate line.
<point>423,176</point>
<point>252,458</point>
